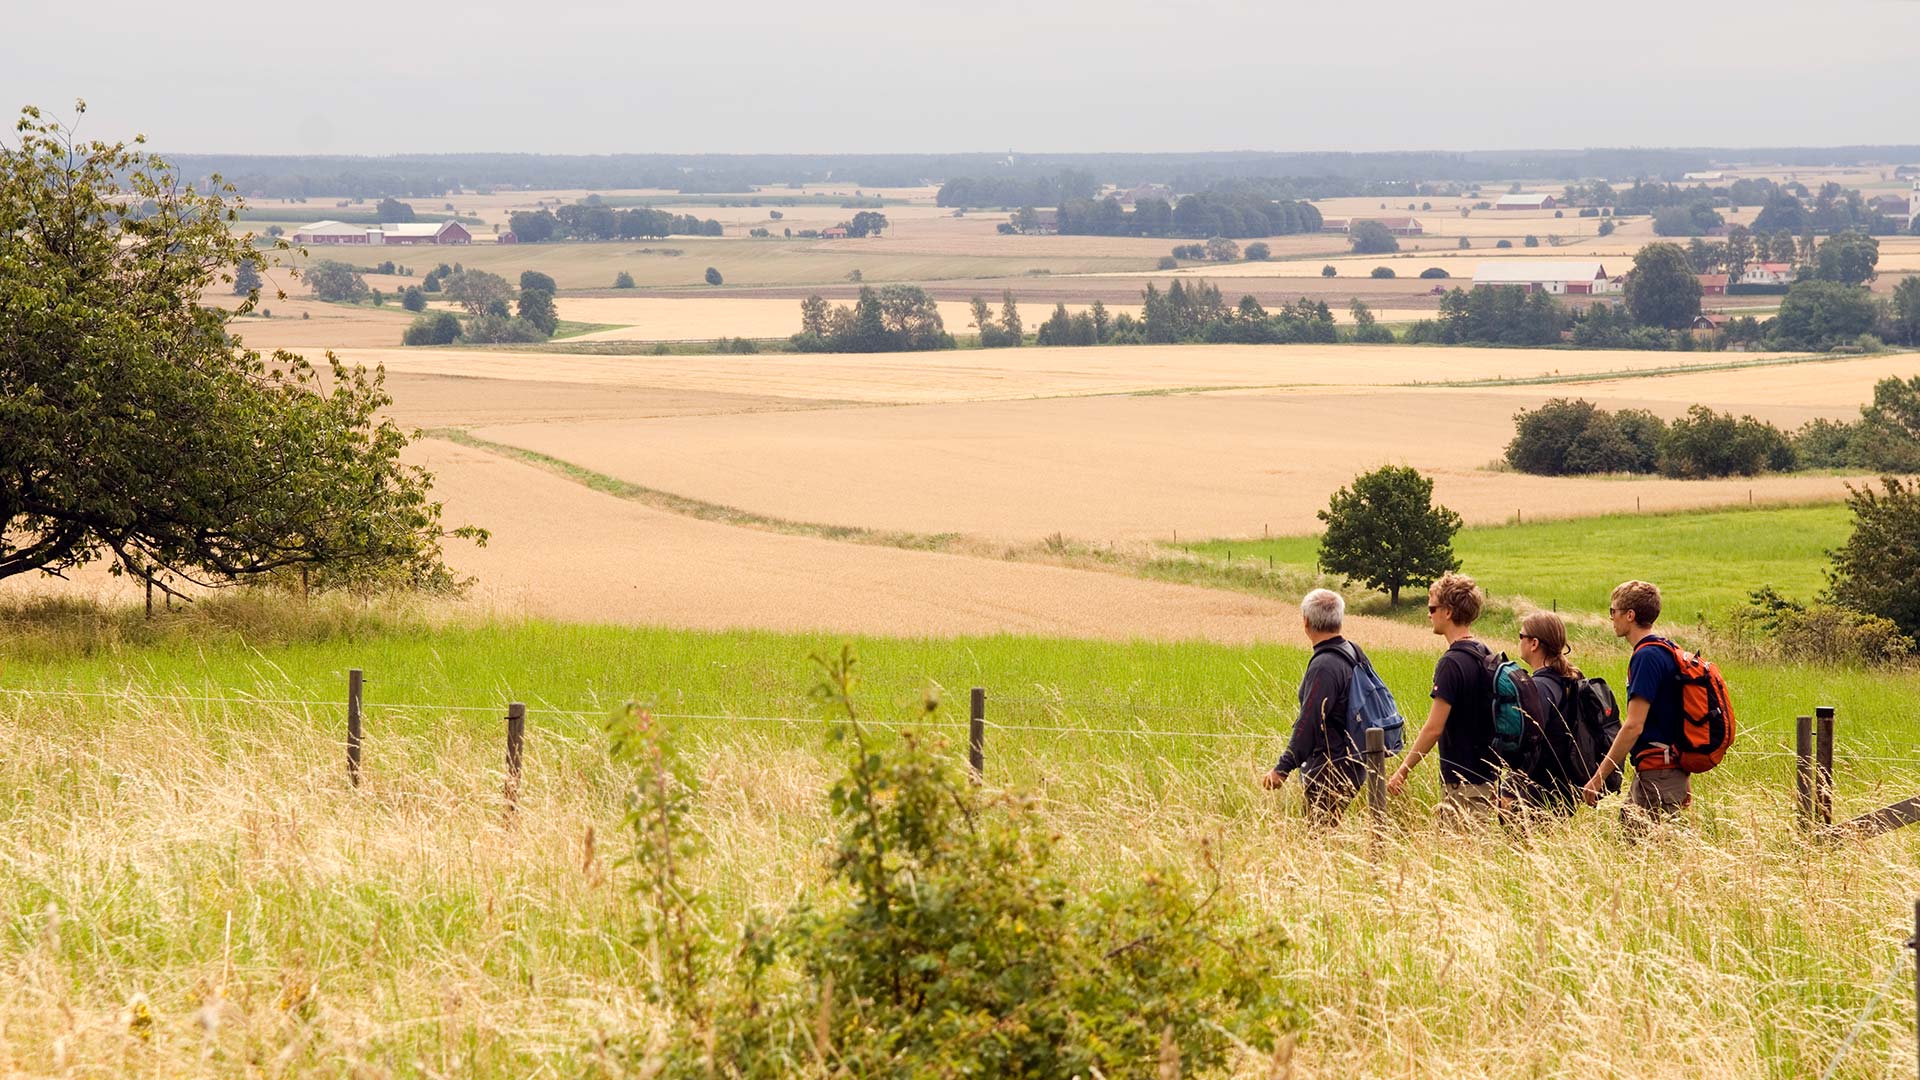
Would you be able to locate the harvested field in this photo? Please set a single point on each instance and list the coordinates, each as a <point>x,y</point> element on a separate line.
<point>1004,374</point>
<point>560,550</point>
<point>1113,468</point>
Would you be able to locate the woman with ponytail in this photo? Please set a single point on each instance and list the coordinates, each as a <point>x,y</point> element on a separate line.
<point>1553,767</point>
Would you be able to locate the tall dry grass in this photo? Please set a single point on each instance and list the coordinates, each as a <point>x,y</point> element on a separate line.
<point>192,889</point>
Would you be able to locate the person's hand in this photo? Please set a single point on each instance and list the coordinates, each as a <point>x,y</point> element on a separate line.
<point>1272,779</point>
<point>1398,781</point>
<point>1596,786</point>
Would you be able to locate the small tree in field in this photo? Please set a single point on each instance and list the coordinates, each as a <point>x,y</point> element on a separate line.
<point>623,280</point>
<point>1386,531</point>
<point>713,276</point>
<point>246,277</point>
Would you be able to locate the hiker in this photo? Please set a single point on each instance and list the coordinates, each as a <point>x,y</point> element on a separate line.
<point>1461,718</point>
<point>1321,748</point>
<point>1651,731</point>
<point>1551,772</point>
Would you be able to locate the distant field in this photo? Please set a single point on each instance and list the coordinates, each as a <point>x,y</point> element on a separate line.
<point>1704,562</point>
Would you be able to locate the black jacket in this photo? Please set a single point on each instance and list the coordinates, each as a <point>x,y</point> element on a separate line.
<point>1320,745</point>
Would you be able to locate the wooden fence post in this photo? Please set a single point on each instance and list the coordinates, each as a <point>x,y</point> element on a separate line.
<point>1823,764</point>
<point>1803,771</point>
<point>1914,944</point>
<point>977,734</point>
<point>355,682</point>
<point>516,737</point>
<point>1376,758</point>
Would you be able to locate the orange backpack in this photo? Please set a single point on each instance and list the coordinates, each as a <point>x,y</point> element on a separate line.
<point>1706,711</point>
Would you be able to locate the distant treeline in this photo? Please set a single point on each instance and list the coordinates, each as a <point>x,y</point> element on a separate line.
<point>1194,216</point>
<point>435,174</point>
<point>975,192</point>
<point>581,221</point>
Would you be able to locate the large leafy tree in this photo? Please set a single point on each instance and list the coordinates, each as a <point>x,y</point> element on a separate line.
<point>134,428</point>
<point>1661,288</point>
<point>1878,569</point>
<point>1386,531</point>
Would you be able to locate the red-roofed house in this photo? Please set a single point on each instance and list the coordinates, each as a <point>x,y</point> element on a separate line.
<point>1712,284</point>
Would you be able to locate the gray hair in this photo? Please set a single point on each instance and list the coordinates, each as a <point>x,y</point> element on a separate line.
<point>1324,610</point>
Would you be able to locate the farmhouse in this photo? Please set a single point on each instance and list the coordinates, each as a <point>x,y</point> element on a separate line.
<point>1526,200</point>
<point>425,232</point>
<point>1768,273</point>
<point>1891,205</point>
<point>836,232</point>
<point>1712,284</point>
<point>1705,176</point>
<point>1556,276</point>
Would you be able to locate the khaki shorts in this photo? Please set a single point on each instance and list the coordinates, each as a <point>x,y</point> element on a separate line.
<point>1470,804</point>
<point>1657,793</point>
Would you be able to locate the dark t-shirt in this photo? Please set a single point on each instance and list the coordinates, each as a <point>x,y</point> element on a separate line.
<point>1652,674</point>
<point>1466,746</point>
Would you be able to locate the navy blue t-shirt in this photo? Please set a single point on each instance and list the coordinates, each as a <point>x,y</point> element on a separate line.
<point>1654,676</point>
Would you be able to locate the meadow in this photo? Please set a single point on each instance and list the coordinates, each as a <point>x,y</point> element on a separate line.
<point>1707,562</point>
<point>190,884</point>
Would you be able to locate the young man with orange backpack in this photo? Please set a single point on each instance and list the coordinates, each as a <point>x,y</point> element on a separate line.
<point>1679,718</point>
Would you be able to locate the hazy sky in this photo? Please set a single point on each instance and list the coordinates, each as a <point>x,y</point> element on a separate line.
<point>579,76</point>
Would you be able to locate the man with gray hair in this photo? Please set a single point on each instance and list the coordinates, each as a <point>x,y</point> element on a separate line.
<point>1329,763</point>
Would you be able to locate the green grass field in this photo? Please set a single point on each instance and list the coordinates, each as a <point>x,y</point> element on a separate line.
<point>1706,563</point>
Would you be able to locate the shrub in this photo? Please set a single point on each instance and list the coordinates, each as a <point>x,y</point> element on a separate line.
<point>1382,272</point>
<point>1705,444</point>
<point>1371,238</point>
<point>1531,241</point>
<point>1503,244</point>
<point>1328,271</point>
<point>413,299</point>
<point>947,915</point>
<point>1464,244</point>
<point>1436,271</point>
<point>1877,571</point>
<point>1542,436</point>
<point>1221,249</point>
<point>1828,634</point>
<point>336,282</point>
<point>1168,262</point>
<point>439,328</point>
<point>1259,251</point>
<point>623,280</point>
<point>713,276</point>
<point>494,328</point>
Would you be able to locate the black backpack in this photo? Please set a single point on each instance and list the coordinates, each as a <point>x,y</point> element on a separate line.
<point>1595,715</point>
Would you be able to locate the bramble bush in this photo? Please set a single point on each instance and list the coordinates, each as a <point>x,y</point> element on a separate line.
<point>945,942</point>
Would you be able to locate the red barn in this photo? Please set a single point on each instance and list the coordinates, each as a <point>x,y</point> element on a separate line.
<point>1712,284</point>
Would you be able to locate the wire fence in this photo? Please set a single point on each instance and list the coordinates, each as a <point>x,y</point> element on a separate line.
<point>1278,733</point>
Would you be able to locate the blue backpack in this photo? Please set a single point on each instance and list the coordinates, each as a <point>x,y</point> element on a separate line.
<point>1370,705</point>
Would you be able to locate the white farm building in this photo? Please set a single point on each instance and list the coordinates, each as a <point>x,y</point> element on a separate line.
<point>1557,276</point>
<point>423,232</point>
<point>1526,200</point>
